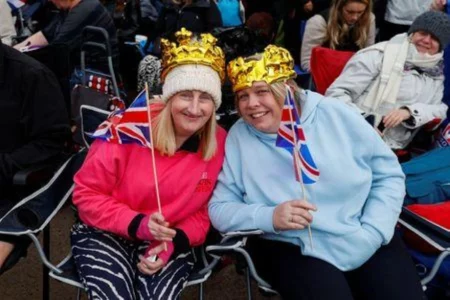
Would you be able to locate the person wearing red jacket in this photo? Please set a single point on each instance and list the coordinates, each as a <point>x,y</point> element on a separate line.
<point>123,247</point>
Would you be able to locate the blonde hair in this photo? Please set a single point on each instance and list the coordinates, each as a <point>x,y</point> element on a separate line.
<point>164,136</point>
<point>278,90</point>
<point>338,30</point>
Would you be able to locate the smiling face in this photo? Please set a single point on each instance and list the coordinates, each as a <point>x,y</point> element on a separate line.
<point>352,12</point>
<point>259,108</point>
<point>425,42</point>
<point>190,111</point>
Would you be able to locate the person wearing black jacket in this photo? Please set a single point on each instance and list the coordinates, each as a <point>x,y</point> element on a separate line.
<point>67,26</point>
<point>197,16</point>
<point>34,124</point>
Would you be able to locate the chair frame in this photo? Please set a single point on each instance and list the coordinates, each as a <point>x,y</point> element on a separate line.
<point>432,235</point>
<point>235,242</point>
<point>44,249</point>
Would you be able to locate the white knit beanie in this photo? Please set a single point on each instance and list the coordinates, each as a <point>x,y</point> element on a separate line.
<point>193,77</point>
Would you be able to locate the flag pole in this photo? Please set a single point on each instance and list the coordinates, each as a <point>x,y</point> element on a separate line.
<point>298,164</point>
<point>152,150</point>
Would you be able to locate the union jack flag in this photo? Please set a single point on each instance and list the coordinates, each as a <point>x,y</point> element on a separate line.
<point>443,140</point>
<point>127,126</point>
<point>290,131</point>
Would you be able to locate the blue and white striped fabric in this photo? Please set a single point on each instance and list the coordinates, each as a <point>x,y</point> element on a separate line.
<point>107,263</point>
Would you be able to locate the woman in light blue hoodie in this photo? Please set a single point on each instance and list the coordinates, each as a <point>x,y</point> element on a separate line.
<point>352,208</point>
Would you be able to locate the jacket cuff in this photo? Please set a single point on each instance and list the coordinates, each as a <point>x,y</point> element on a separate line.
<point>181,242</point>
<point>134,225</point>
<point>264,219</point>
<point>412,122</point>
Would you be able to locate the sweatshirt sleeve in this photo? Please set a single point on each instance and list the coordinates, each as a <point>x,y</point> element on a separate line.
<point>385,199</point>
<point>357,76</point>
<point>228,209</point>
<point>315,33</point>
<point>94,184</point>
<point>423,113</point>
<point>196,226</point>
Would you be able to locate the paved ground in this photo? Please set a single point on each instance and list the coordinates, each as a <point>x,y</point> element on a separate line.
<point>24,281</point>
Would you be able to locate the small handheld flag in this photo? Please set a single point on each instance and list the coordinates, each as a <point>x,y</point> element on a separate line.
<point>292,137</point>
<point>289,133</point>
<point>127,126</point>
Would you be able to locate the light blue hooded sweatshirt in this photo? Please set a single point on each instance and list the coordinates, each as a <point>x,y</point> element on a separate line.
<point>359,193</point>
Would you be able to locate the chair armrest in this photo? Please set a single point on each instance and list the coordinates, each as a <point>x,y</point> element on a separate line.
<point>34,175</point>
<point>432,125</point>
<point>243,233</point>
<point>232,241</point>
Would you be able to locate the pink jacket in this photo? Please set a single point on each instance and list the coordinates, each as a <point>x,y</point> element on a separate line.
<point>116,184</point>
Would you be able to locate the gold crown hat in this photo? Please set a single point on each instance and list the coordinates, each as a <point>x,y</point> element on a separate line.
<point>276,64</point>
<point>189,51</point>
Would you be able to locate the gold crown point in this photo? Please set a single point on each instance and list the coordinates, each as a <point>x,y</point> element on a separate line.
<point>191,50</point>
<point>275,64</point>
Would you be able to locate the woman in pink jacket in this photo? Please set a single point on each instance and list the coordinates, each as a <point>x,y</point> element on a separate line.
<point>124,248</point>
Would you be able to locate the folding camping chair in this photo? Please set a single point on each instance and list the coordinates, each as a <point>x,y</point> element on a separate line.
<point>234,243</point>
<point>66,271</point>
<point>431,233</point>
<point>24,13</point>
<point>326,65</point>
<point>428,182</point>
<point>96,88</point>
<point>34,213</point>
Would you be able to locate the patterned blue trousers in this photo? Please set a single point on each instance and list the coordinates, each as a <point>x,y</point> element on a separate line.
<point>107,265</point>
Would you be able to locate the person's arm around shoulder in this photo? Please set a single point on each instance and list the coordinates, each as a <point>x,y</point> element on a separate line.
<point>358,74</point>
<point>315,33</point>
<point>385,199</point>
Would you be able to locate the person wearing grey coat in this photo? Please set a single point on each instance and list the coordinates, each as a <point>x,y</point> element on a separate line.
<point>400,82</point>
<point>7,29</point>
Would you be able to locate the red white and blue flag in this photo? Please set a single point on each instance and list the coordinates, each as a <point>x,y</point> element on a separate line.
<point>127,126</point>
<point>443,140</point>
<point>290,131</point>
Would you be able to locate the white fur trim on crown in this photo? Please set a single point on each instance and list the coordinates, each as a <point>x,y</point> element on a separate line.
<point>193,77</point>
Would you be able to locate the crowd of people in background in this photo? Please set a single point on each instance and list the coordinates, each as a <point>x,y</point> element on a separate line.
<point>395,83</point>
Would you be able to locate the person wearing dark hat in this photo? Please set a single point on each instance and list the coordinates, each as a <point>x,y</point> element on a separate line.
<point>441,5</point>
<point>399,82</point>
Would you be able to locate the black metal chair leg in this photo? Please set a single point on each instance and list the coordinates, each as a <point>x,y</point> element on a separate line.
<point>200,291</point>
<point>45,279</point>
<point>249,284</point>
